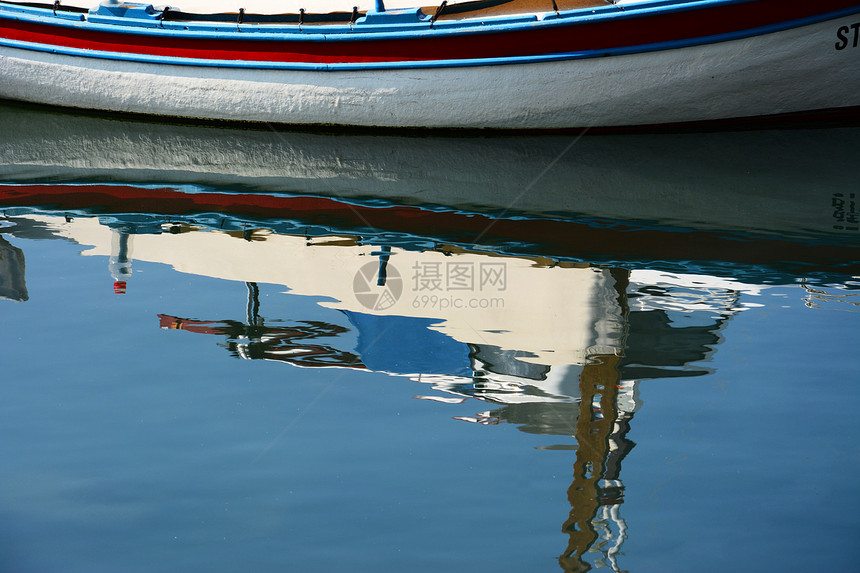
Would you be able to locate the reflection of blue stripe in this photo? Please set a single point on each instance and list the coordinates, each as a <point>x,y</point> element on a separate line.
<point>405,65</point>
<point>406,345</point>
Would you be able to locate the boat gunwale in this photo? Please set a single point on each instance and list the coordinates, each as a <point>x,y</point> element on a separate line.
<point>269,20</point>
<point>361,30</point>
<point>427,63</point>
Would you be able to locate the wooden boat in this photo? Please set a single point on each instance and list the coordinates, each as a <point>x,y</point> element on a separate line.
<point>518,64</point>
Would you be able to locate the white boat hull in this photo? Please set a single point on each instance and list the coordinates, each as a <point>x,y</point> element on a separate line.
<point>792,71</point>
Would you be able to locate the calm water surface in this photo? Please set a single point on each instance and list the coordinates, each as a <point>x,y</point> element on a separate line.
<point>254,350</point>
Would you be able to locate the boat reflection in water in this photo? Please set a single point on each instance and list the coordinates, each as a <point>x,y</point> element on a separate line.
<point>556,286</point>
<point>770,182</point>
<point>555,347</point>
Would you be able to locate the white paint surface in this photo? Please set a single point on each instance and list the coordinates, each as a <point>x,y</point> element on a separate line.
<point>791,71</point>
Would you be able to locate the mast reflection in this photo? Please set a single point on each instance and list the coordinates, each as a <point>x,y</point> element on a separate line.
<point>596,472</point>
<point>255,340</point>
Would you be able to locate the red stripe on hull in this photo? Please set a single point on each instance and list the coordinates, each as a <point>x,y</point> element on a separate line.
<point>450,45</point>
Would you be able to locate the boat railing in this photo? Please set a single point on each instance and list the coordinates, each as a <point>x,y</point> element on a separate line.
<point>446,10</point>
<point>55,6</point>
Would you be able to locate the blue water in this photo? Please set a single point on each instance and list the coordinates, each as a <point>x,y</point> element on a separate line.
<point>208,420</point>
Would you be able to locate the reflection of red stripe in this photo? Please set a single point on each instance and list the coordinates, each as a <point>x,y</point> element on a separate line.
<point>168,200</point>
<point>551,237</point>
<point>547,40</point>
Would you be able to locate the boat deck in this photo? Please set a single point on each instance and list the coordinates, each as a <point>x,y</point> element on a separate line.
<point>450,10</point>
<point>479,9</point>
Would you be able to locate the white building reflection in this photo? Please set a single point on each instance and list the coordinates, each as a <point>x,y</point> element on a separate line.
<point>555,348</point>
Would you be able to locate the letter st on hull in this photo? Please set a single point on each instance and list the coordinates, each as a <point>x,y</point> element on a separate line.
<point>848,36</point>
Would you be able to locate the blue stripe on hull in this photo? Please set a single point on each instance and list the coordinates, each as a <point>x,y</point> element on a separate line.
<point>405,65</point>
